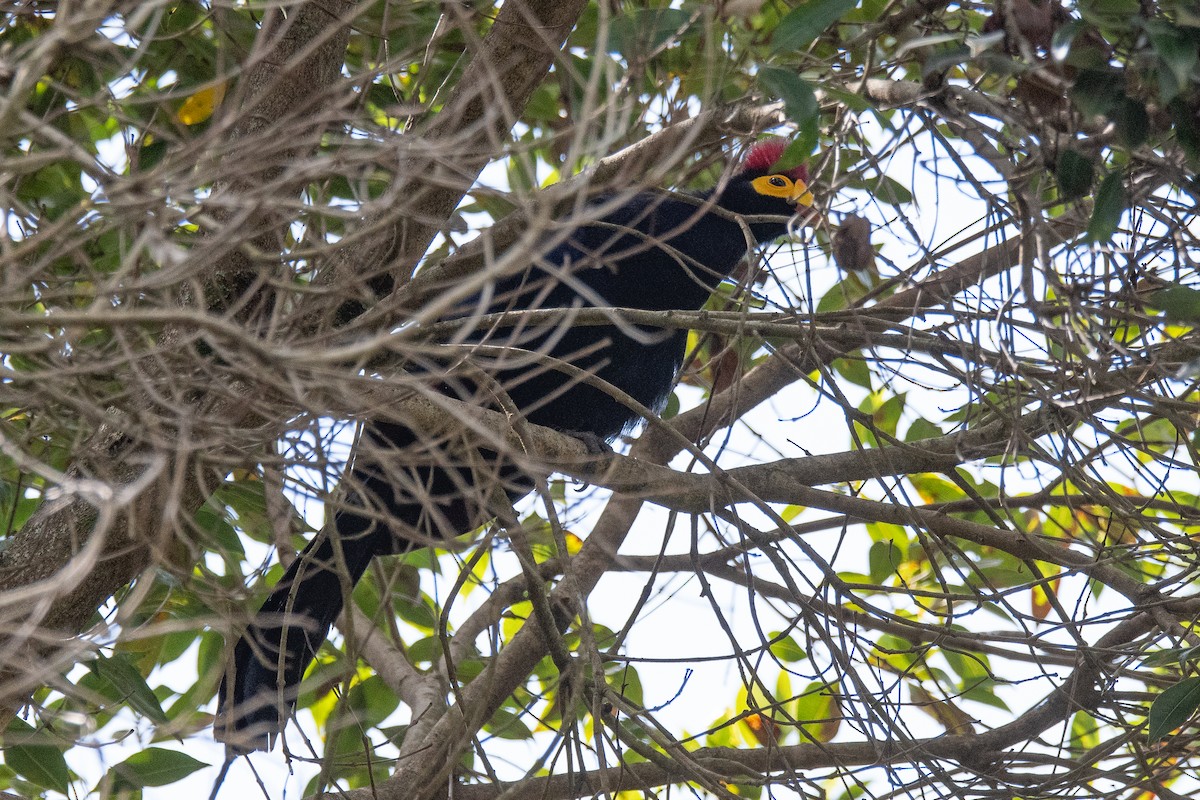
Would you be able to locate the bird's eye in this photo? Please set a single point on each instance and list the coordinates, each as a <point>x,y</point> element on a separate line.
<point>778,181</point>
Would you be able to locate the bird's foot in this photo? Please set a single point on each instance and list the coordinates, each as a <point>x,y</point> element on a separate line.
<point>596,448</point>
<point>594,444</point>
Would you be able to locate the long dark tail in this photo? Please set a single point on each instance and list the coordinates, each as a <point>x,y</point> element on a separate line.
<point>272,656</point>
<point>422,500</point>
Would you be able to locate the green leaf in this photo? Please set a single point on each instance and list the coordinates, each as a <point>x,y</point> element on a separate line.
<point>1085,732</point>
<point>154,766</point>
<point>644,30</point>
<point>884,558</point>
<point>934,488</point>
<point>495,203</point>
<point>416,611</point>
<point>1115,14</point>
<point>985,693</point>
<point>1187,132</point>
<point>1168,85</point>
<point>672,408</point>
<point>129,685</point>
<point>785,648</point>
<point>922,428</point>
<point>1110,205</point>
<point>882,188</point>
<point>1132,122</point>
<point>1176,49</point>
<point>429,649</point>
<point>817,711</point>
<point>1167,657</point>
<point>1097,92</point>
<point>54,188</point>
<point>1178,303</point>
<point>371,700</point>
<point>1060,42</point>
<point>246,498</point>
<point>150,154</point>
<point>842,294</point>
<point>364,706</point>
<point>854,370</point>
<point>886,415</point>
<point>31,753</point>
<point>508,725</point>
<point>1075,173</point>
<point>892,192</point>
<point>944,59</point>
<point>805,23</point>
<point>626,681</point>
<point>1173,707</point>
<point>218,534</point>
<point>796,153</point>
<point>800,103</point>
<point>851,100</point>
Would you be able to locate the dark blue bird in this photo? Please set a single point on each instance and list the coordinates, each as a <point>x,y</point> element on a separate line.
<point>655,251</point>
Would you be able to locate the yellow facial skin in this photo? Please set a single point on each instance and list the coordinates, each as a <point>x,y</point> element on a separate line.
<point>795,192</point>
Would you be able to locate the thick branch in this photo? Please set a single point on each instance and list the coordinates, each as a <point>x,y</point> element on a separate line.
<point>449,153</point>
<point>987,750</point>
<point>80,547</point>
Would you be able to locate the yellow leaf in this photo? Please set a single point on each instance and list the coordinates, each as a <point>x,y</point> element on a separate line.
<point>200,106</point>
<point>764,729</point>
<point>952,718</point>
<point>1041,595</point>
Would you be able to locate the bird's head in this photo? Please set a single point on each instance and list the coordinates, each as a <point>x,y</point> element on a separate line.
<point>760,188</point>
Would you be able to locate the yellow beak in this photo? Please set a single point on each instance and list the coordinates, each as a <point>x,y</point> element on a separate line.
<point>801,195</point>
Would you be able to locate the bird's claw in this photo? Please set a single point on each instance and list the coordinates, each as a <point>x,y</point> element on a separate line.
<point>594,444</point>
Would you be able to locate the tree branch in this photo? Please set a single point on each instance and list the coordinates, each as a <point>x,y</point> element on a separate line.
<point>445,158</point>
<point>77,550</point>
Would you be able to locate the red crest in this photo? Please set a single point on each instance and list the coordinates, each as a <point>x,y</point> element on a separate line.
<point>764,154</point>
